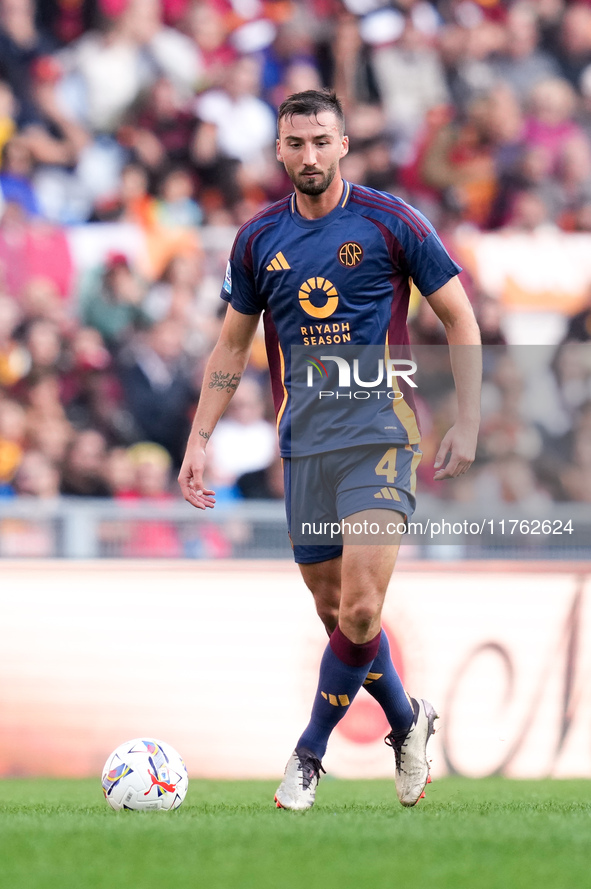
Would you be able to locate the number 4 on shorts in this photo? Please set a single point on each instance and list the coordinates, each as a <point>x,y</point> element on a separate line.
<point>387,465</point>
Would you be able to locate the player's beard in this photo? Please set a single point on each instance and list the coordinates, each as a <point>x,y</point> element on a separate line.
<point>315,186</point>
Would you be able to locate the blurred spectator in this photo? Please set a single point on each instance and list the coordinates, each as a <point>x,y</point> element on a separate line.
<point>579,326</point>
<point>410,80</point>
<point>522,64</point>
<point>556,400</point>
<point>290,63</point>
<point>53,135</point>
<point>87,351</point>
<point>41,300</point>
<point>163,51</point>
<point>572,370</point>
<point>33,249</point>
<point>37,476</point>
<point>179,294</point>
<point>167,223</point>
<point>208,27</point>
<point>92,391</point>
<point>579,219</point>
<point>162,117</point>
<point>160,131</point>
<point>425,327</point>
<point>13,426</point>
<point>512,480</point>
<point>573,181</point>
<point>352,77</point>
<point>527,172</point>
<point>43,342</point>
<point>151,467</point>
<point>468,45</point>
<point>158,385</point>
<point>14,359</point>
<point>528,211</point>
<point>53,438</point>
<point>66,180</point>
<point>576,476</point>
<point>460,163</point>
<point>175,206</point>
<point>16,177</point>
<point>505,431</point>
<point>151,472</point>
<point>83,471</point>
<point>573,46</point>
<point>66,21</point>
<point>132,202</point>
<point>244,441</point>
<point>473,161</point>
<point>104,74</point>
<point>298,77</point>
<point>120,473</point>
<point>490,320</point>
<point>41,394</point>
<point>263,484</point>
<point>21,42</point>
<point>115,308</point>
<point>7,114</point>
<point>109,67</point>
<point>550,124</point>
<point>175,293</point>
<point>48,429</point>
<point>236,130</point>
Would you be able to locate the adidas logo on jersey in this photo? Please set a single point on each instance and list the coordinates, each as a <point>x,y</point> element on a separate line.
<point>279,263</point>
<point>387,494</point>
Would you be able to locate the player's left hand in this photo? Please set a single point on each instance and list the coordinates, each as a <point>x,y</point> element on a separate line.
<point>460,444</point>
<point>191,478</point>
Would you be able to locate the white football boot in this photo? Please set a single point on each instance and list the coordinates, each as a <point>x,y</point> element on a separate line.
<point>297,791</point>
<point>410,753</point>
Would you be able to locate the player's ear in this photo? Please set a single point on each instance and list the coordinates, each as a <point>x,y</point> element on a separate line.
<point>278,150</point>
<point>344,146</point>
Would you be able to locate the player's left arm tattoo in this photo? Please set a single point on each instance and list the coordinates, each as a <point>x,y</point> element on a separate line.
<point>224,381</point>
<point>204,434</point>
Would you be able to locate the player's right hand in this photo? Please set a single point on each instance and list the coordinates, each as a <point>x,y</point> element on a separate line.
<point>459,443</point>
<point>191,480</point>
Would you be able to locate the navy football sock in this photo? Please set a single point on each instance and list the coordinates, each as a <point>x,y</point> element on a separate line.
<point>383,683</point>
<point>343,670</point>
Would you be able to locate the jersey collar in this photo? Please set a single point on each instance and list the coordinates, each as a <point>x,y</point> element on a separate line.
<point>323,220</point>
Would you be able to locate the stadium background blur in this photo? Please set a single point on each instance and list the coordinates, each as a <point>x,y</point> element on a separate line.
<point>136,136</point>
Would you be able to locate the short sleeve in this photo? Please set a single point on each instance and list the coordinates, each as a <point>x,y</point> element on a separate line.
<point>239,287</point>
<point>428,262</point>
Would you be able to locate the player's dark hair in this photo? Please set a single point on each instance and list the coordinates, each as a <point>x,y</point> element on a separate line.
<point>311,103</point>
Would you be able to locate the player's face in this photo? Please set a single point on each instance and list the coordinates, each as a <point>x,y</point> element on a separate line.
<point>310,149</point>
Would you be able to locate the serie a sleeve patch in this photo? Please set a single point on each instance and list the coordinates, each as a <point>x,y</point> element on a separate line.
<point>227,285</point>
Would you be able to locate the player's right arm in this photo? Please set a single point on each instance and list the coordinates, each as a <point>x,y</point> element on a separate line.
<point>223,372</point>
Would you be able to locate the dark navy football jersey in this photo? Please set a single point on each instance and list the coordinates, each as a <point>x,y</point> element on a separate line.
<point>336,282</point>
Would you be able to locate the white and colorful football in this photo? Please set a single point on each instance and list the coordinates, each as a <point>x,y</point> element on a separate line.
<point>145,774</point>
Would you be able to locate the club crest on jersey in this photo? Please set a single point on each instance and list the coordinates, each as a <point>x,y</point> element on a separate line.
<point>350,254</point>
<point>320,289</point>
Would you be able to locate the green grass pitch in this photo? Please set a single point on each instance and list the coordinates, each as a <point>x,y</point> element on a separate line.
<point>488,834</point>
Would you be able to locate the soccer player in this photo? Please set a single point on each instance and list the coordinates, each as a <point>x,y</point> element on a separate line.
<point>329,265</point>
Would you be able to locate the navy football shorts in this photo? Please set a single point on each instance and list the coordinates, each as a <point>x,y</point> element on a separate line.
<point>323,489</point>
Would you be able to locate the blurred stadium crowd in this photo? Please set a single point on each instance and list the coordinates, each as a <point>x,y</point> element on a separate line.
<point>153,121</point>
